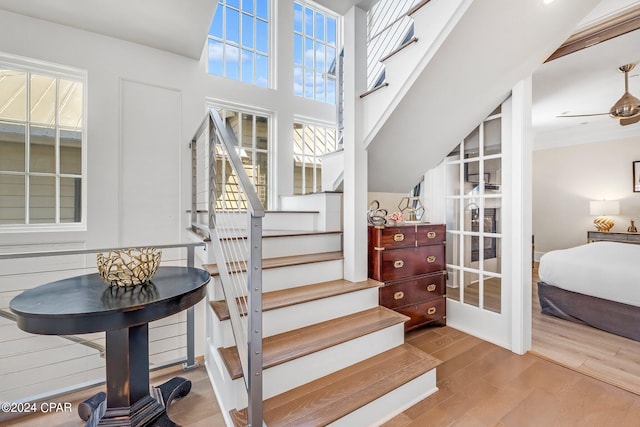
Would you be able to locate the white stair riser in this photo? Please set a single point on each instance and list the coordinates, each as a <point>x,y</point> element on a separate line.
<point>329,206</point>
<point>291,221</point>
<point>391,404</point>
<point>300,315</point>
<point>274,279</point>
<point>275,247</point>
<point>286,376</point>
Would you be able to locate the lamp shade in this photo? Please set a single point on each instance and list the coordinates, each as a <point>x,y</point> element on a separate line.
<point>604,207</point>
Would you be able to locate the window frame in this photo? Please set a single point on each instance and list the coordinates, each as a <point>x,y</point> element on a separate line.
<point>33,66</point>
<point>338,42</point>
<point>270,21</point>
<point>306,122</point>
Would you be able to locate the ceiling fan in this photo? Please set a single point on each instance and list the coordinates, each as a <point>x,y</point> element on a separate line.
<point>626,109</point>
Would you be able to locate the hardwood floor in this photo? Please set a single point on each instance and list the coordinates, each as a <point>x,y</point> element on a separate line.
<point>599,354</point>
<point>480,384</point>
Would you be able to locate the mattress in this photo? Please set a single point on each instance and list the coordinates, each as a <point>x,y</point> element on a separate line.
<point>607,270</point>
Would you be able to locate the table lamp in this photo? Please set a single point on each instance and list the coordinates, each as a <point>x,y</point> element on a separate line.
<point>602,208</point>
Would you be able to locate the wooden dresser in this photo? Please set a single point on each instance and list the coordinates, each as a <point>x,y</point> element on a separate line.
<point>410,260</point>
<point>608,236</point>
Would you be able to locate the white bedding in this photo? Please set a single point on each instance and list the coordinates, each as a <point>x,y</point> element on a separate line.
<point>607,270</point>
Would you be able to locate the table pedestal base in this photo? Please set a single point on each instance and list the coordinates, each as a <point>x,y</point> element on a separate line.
<point>148,411</point>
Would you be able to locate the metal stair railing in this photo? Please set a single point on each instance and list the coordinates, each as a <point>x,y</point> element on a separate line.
<point>222,187</point>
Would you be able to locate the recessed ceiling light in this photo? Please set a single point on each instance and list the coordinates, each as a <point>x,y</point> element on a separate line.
<point>547,1</point>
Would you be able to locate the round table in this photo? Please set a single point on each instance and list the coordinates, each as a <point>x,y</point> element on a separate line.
<point>85,304</point>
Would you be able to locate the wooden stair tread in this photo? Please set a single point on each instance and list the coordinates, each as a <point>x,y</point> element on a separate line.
<point>291,296</point>
<point>281,348</point>
<point>287,261</point>
<point>329,398</point>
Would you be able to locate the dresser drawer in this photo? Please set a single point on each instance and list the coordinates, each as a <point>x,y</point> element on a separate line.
<point>427,312</point>
<point>394,264</point>
<point>402,236</point>
<point>429,234</point>
<point>412,291</point>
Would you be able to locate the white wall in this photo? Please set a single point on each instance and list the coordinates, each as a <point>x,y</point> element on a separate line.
<point>109,63</point>
<point>566,179</point>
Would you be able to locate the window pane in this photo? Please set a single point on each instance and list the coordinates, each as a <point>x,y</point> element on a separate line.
<point>43,99</point>
<point>308,22</point>
<point>331,90</point>
<point>492,137</point>
<point>297,17</point>
<point>308,84</point>
<point>320,90</point>
<point>471,294</point>
<point>247,6</point>
<point>12,199</point>
<point>262,9</point>
<point>308,53</point>
<point>215,58</point>
<point>71,152</point>
<point>70,200</point>
<point>318,182</point>
<point>262,36</point>
<point>262,176</point>
<point>247,66</point>
<point>42,155</point>
<point>233,25</point>
<point>12,147</point>
<point>492,294</point>
<point>453,284</point>
<point>70,103</point>
<point>319,26</point>
<point>262,133</point>
<point>262,71</point>
<point>298,50</point>
<point>493,175</point>
<point>472,144</point>
<point>247,31</point>
<point>492,254</point>
<point>13,94</point>
<point>231,62</point>
<point>330,61</point>
<point>234,3</point>
<point>297,81</point>
<point>42,199</point>
<point>331,31</point>
<point>319,55</point>
<point>246,139</point>
<point>216,25</point>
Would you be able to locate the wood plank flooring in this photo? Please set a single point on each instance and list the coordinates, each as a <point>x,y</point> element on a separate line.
<point>480,385</point>
<point>599,354</point>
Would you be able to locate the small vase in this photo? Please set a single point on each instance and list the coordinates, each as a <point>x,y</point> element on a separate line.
<point>632,228</point>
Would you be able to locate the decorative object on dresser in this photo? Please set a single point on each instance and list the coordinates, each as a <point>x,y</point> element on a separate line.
<point>410,260</point>
<point>632,228</point>
<point>602,208</point>
<point>376,215</point>
<point>412,209</point>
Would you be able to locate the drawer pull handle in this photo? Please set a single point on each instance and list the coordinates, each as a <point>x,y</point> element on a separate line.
<point>398,237</point>
<point>431,259</point>
<point>398,295</point>
<point>431,287</point>
<point>431,235</point>
<point>398,264</point>
<point>432,310</point>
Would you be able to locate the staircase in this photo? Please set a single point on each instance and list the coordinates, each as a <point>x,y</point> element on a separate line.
<point>463,61</point>
<point>331,354</point>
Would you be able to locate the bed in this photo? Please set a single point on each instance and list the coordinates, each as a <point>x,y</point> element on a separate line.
<point>597,284</point>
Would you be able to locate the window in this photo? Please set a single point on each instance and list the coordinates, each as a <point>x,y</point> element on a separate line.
<point>42,143</point>
<point>314,54</point>
<point>474,217</point>
<point>310,143</point>
<point>238,42</point>
<point>252,132</point>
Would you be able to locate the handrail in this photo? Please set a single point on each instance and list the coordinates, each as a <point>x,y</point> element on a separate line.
<point>239,260</point>
<point>190,362</point>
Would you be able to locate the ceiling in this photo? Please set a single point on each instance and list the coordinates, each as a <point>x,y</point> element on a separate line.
<point>584,82</point>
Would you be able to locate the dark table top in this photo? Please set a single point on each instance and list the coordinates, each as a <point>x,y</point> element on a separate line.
<point>85,304</point>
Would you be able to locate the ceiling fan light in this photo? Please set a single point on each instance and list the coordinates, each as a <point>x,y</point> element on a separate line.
<point>626,107</point>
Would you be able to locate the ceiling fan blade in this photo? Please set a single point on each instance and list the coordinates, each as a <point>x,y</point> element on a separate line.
<point>629,121</point>
<point>583,115</point>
